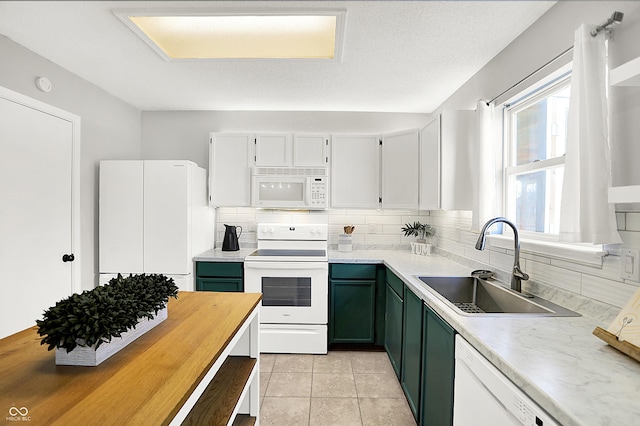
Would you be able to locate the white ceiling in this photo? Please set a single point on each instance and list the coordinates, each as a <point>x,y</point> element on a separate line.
<point>399,56</point>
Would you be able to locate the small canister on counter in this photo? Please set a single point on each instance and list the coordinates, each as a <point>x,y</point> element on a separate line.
<point>345,243</point>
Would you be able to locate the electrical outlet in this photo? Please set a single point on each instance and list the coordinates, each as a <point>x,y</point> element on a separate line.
<point>373,228</point>
<point>630,264</point>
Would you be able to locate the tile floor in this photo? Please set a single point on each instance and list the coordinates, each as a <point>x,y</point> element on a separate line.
<point>340,388</point>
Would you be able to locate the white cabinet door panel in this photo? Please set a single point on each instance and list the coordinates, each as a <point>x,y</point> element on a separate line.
<point>229,169</point>
<point>355,171</point>
<point>273,150</point>
<point>430,166</point>
<point>167,217</point>
<point>310,150</point>
<point>121,232</point>
<point>400,162</point>
<point>457,144</point>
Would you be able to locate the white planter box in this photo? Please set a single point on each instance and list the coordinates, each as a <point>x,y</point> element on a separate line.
<point>90,357</point>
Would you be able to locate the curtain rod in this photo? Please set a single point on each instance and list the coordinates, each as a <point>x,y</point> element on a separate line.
<point>615,18</point>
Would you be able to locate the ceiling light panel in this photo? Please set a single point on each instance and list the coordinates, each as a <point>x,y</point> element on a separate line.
<point>258,36</point>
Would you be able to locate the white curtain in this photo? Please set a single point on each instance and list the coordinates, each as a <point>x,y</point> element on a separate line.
<point>484,194</point>
<point>585,214</point>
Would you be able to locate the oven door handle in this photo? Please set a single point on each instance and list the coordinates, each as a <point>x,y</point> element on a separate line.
<point>287,265</point>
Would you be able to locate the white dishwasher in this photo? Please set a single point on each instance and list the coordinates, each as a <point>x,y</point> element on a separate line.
<point>484,396</point>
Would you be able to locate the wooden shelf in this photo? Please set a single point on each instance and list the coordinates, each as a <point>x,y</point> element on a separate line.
<point>627,74</point>
<point>244,420</point>
<point>217,403</point>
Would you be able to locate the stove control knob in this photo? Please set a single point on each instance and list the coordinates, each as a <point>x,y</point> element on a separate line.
<point>313,230</point>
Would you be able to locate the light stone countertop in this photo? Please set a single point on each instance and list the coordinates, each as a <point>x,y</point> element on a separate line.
<point>573,375</point>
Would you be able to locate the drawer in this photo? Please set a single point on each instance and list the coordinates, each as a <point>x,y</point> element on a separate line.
<point>353,271</point>
<point>395,283</point>
<point>219,269</point>
<point>219,284</point>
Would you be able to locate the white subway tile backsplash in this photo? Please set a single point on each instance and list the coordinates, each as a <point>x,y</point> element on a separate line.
<point>621,220</point>
<point>632,222</point>
<point>552,275</point>
<point>612,292</point>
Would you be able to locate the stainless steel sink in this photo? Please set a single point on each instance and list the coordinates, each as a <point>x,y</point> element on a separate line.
<point>474,296</point>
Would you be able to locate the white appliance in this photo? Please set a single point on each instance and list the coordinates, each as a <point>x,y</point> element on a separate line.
<point>289,187</point>
<point>291,270</point>
<point>154,217</point>
<point>484,396</point>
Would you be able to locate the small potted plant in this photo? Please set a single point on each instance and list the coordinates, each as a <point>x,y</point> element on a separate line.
<point>87,328</point>
<point>420,230</point>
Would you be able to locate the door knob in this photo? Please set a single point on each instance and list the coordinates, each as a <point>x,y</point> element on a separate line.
<point>68,257</point>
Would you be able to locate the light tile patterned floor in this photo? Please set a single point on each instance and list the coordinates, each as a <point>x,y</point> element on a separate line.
<point>340,388</point>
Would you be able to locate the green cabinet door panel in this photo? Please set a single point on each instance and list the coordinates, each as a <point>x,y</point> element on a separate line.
<point>219,276</point>
<point>219,284</point>
<point>352,310</point>
<point>438,370</point>
<point>411,372</point>
<point>393,328</point>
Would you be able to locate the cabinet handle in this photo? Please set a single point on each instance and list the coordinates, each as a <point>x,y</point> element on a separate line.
<point>68,257</point>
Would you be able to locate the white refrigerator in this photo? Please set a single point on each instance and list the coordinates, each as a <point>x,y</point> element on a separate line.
<point>154,217</point>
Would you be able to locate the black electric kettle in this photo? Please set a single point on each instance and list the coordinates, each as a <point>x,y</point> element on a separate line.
<point>230,241</point>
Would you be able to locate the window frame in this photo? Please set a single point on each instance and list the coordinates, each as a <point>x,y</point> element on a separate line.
<point>555,82</point>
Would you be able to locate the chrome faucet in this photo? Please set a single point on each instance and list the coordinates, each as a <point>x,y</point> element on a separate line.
<point>517,276</point>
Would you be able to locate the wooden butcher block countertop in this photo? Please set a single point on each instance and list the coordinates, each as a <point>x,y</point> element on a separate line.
<point>146,383</point>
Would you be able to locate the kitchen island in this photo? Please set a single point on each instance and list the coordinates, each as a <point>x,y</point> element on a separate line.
<point>183,370</point>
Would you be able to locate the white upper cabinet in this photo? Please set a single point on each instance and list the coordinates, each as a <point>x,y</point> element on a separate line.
<point>430,166</point>
<point>273,150</point>
<point>355,171</point>
<point>230,159</point>
<point>310,150</point>
<point>457,141</point>
<point>400,162</point>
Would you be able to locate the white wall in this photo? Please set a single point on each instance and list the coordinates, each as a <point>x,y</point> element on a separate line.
<point>110,130</point>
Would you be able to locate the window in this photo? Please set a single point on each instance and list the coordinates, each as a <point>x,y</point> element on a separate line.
<point>535,143</point>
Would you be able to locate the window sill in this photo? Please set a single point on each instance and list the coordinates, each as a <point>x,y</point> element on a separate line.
<point>587,255</point>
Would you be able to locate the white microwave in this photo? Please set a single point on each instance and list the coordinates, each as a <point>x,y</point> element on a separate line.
<point>289,188</point>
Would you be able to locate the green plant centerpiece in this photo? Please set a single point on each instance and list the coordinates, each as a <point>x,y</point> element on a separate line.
<point>95,317</point>
<point>421,230</point>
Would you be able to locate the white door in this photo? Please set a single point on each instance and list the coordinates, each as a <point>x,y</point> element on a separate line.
<point>167,218</point>
<point>400,164</point>
<point>430,166</point>
<point>229,170</point>
<point>310,150</point>
<point>273,150</point>
<point>355,171</point>
<point>37,209</point>
<point>121,217</point>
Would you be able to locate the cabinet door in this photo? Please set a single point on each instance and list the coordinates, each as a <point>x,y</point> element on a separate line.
<point>438,370</point>
<point>167,217</point>
<point>355,171</point>
<point>220,284</point>
<point>430,166</point>
<point>273,150</point>
<point>352,307</point>
<point>411,376</point>
<point>310,150</point>
<point>393,328</point>
<point>457,145</point>
<point>400,164</point>
<point>229,170</point>
<point>121,229</point>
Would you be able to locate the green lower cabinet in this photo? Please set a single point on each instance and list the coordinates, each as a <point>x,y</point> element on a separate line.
<point>393,328</point>
<point>352,303</point>
<point>411,372</point>
<point>352,310</point>
<point>219,284</point>
<point>219,276</point>
<point>437,370</point>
